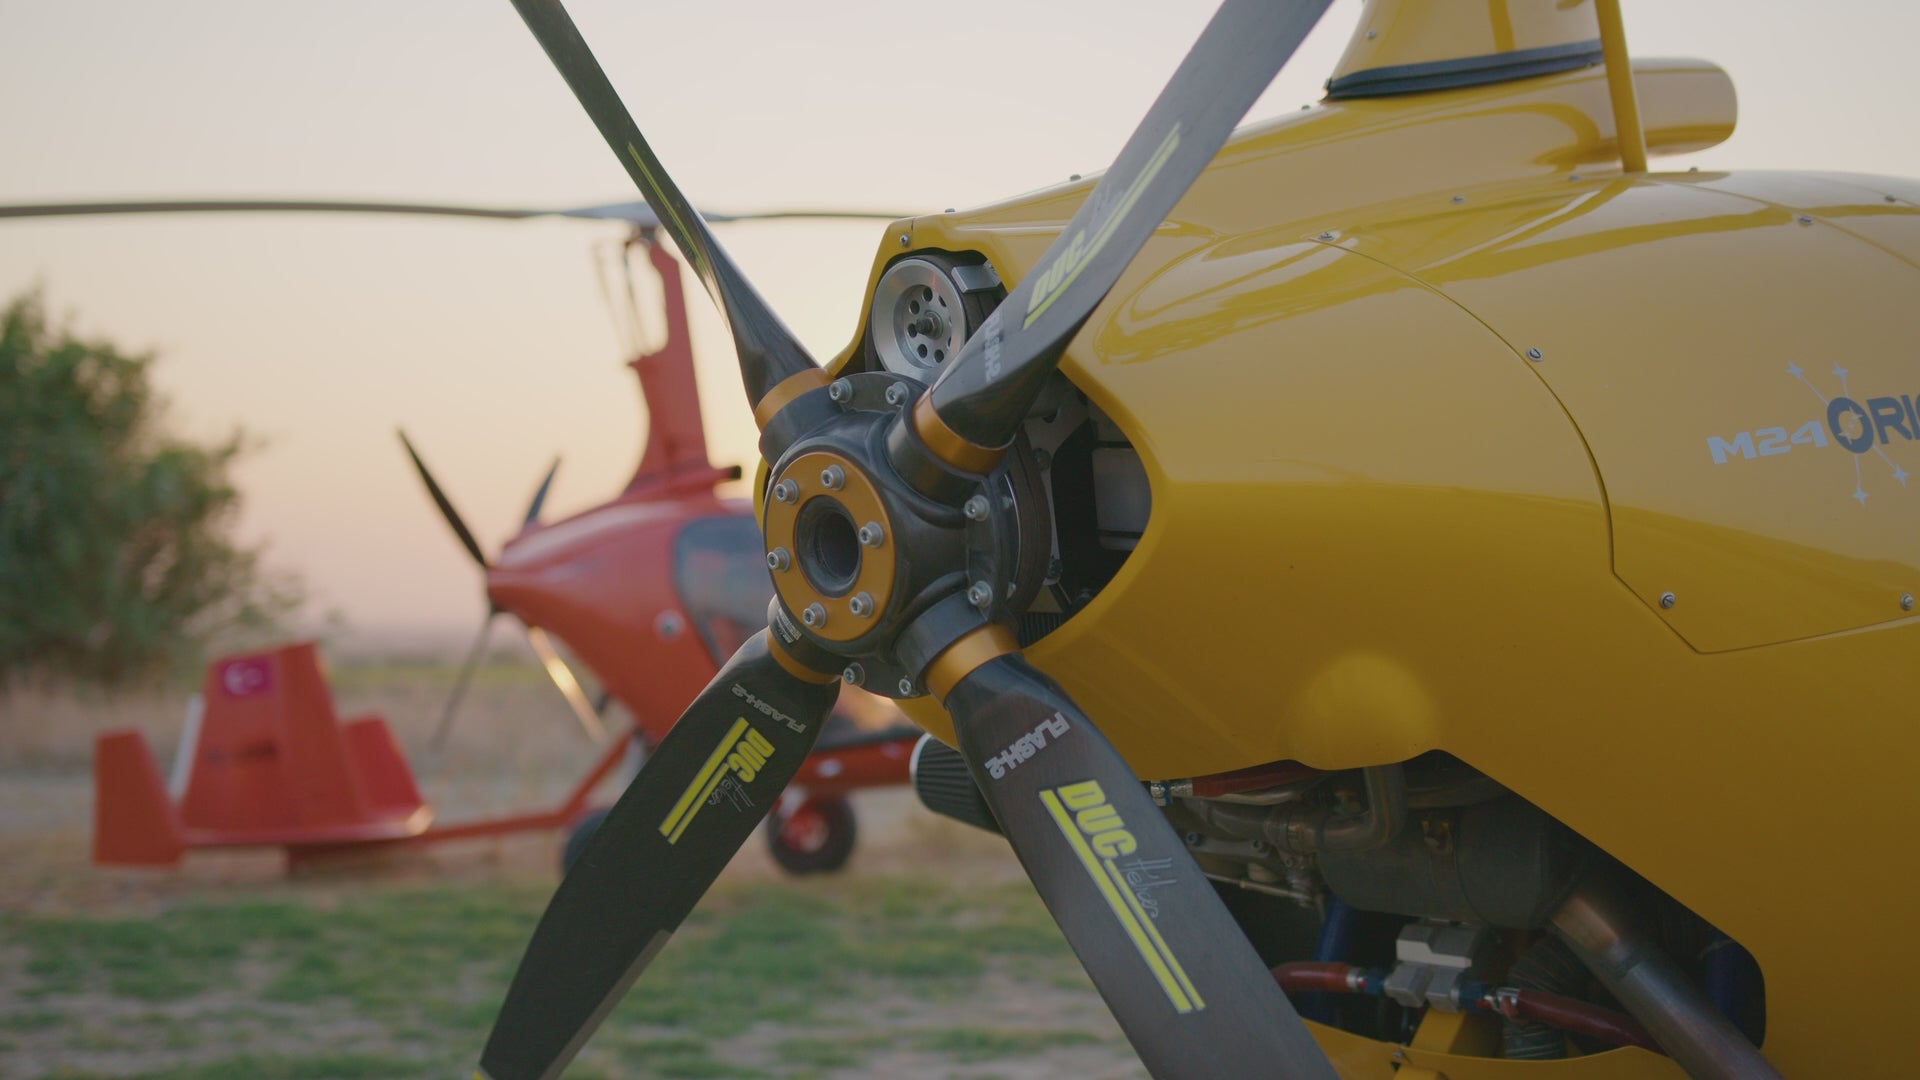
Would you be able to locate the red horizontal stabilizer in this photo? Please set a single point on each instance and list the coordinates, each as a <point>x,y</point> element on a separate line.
<point>385,778</point>
<point>134,823</point>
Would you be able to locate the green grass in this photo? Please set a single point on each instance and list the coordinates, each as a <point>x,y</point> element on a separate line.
<point>969,1044</point>
<point>31,1020</point>
<point>404,981</point>
<point>825,1053</point>
<point>327,1066</point>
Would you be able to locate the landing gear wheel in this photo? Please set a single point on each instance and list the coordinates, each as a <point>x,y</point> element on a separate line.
<point>816,838</point>
<point>578,834</point>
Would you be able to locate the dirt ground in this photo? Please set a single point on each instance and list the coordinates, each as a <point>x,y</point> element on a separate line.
<point>514,747</point>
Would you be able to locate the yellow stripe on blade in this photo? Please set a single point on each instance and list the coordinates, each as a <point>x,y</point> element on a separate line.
<point>1171,984</point>
<point>703,784</point>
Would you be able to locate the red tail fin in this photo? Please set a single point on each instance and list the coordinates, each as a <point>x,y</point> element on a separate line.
<point>675,458</point>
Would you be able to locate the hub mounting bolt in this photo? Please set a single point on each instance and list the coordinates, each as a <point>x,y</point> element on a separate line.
<point>861,605</point>
<point>854,674</point>
<point>815,616</point>
<point>975,508</point>
<point>786,491</point>
<point>840,390</point>
<point>897,394</point>
<point>779,559</point>
<point>906,687</point>
<point>980,594</point>
<point>833,478</point>
<point>871,535</point>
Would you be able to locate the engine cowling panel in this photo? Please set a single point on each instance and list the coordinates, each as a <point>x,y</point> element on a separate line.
<point>1743,370</point>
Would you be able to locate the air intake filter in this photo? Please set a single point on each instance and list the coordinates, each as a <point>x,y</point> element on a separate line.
<point>941,779</point>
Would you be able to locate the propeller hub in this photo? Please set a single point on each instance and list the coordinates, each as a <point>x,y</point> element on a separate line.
<point>871,566</point>
<point>820,526</point>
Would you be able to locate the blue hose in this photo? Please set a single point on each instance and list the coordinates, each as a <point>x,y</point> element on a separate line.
<point>1336,944</point>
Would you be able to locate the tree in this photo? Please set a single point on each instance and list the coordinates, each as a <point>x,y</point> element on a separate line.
<point>117,561</point>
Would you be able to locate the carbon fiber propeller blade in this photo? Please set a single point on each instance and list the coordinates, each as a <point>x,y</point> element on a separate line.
<point>1187,988</point>
<point>769,353</point>
<point>701,794</point>
<point>637,214</point>
<point>985,391</point>
<point>540,495</point>
<point>475,654</point>
<point>446,507</point>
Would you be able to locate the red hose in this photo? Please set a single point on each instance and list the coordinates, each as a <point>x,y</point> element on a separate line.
<point>1309,976</point>
<point>1565,1013</point>
<point>1572,1014</point>
<point>1272,774</point>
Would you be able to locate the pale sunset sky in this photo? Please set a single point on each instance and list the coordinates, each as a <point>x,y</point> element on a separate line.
<point>489,341</point>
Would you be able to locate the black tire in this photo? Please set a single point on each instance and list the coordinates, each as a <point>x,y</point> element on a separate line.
<point>823,843</point>
<point>578,834</point>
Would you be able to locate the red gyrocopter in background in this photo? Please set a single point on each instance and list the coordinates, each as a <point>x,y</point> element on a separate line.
<point>650,590</point>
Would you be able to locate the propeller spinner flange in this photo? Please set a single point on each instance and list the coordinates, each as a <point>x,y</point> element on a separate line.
<point>866,566</point>
<point>830,545</point>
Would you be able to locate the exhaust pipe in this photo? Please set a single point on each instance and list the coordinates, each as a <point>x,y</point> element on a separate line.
<point>1595,923</point>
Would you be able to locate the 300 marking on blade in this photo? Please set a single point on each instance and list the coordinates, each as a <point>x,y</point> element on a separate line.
<point>742,753</point>
<point>1098,836</point>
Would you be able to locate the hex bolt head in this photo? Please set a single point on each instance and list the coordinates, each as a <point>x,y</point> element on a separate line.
<point>861,605</point>
<point>897,394</point>
<point>980,594</point>
<point>1906,602</point>
<point>1459,199</point>
<point>1805,219</point>
<point>906,240</point>
<point>1667,599</point>
<point>779,560</point>
<point>1535,355</point>
<point>975,508</point>
<point>854,674</point>
<point>840,390</point>
<point>815,616</point>
<point>871,535</point>
<point>833,478</point>
<point>906,688</point>
<point>786,491</point>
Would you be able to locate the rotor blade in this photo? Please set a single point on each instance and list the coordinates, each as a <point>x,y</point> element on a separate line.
<point>701,794</point>
<point>540,496</point>
<point>769,353</point>
<point>569,687</point>
<point>467,669</point>
<point>440,500</point>
<point>984,393</point>
<point>223,206</point>
<point>637,214</point>
<point>1180,977</point>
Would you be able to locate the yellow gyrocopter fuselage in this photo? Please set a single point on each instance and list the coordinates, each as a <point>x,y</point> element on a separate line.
<point>1461,438</point>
